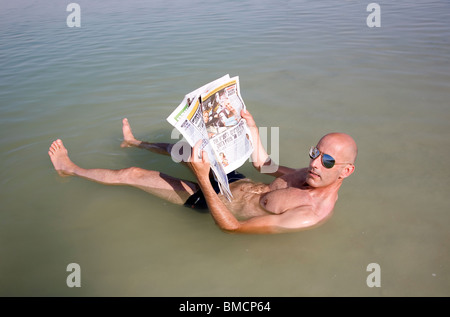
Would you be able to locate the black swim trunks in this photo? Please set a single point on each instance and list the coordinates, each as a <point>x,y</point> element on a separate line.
<point>198,201</point>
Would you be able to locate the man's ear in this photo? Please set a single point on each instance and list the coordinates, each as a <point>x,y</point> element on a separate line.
<point>347,171</point>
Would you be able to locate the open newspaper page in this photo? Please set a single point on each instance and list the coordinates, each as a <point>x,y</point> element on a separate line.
<point>212,113</point>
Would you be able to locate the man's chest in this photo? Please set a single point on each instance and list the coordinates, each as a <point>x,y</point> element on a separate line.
<point>282,199</point>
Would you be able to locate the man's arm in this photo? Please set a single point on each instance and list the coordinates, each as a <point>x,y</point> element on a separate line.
<point>260,159</point>
<point>289,221</point>
<point>296,219</point>
<point>292,220</point>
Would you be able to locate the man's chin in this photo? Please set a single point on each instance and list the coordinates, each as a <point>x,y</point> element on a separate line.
<point>311,182</point>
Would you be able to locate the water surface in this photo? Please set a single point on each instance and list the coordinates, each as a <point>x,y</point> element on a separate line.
<point>307,67</point>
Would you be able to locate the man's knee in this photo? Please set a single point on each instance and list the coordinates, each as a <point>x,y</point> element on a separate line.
<point>128,175</point>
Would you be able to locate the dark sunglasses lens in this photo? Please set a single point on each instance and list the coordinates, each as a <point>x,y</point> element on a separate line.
<point>328,161</point>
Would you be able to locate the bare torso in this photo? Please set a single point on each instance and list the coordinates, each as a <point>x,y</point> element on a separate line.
<point>252,199</point>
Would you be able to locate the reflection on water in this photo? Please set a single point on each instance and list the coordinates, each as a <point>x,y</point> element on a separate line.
<point>306,67</point>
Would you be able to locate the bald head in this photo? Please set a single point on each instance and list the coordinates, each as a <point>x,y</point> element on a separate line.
<point>342,145</point>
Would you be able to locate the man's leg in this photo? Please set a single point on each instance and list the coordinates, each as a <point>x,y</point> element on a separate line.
<point>164,186</point>
<point>130,141</point>
<point>161,148</point>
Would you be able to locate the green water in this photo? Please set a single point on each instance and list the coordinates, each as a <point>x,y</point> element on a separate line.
<point>307,67</point>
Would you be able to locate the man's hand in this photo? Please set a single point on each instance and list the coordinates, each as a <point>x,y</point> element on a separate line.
<point>259,154</point>
<point>199,162</point>
<point>249,118</point>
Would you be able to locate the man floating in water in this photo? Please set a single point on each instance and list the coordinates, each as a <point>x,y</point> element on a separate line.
<point>296,199</point>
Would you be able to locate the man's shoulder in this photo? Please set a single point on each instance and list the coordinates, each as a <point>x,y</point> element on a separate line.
<point>295,177</point>
<point>297,172</point>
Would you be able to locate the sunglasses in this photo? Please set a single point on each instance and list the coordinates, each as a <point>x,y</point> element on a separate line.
<point>327,160</point>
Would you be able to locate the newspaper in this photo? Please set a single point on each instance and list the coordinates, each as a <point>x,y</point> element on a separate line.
<point>212,113</point>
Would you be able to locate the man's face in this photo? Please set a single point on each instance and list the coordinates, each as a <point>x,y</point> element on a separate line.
<point>320,176</point>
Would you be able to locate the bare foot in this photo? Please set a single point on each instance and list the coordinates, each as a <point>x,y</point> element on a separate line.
<point>128,137</point>
<point>60,159</point>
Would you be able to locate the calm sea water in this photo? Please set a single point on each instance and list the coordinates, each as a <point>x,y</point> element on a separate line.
<point>307,67</point>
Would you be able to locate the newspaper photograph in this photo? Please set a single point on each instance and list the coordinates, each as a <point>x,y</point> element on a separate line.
<point>212,113</point>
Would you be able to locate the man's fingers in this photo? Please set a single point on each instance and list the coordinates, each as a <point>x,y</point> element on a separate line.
<point>205,158</point>
<point>196,154</point>
<point>248,117</point>
<point>197,145</point>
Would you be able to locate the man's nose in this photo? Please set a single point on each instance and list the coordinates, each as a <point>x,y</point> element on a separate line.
<point>315,163</point>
